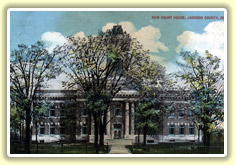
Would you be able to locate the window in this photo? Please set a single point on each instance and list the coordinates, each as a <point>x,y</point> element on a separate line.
<point>191,129</point>
<point>52,112</point>
<point>62,113</point>
<point>181,113</point>
<point>41,130</point>
<point>117,111</point>
<point>62,130</point>
<point>117,126</point>
<point>181,129</point>
<point>52,130</point>
<point>190,113</point>
<point>84,129</point>
<point>84,113</point>
<point>171,129</point>
<point>172,114</point>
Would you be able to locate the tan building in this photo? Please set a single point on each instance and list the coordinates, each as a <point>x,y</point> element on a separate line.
<point>77,125</point>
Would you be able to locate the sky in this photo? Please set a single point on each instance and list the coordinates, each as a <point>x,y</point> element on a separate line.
<point>164,38</point>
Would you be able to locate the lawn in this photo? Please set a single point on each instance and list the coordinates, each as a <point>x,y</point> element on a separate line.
<point>56,148</point>
<point>177,148</point>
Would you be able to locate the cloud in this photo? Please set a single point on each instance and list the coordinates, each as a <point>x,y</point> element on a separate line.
<point>53,39</point>
<point>212,39</point>
<point>148,36</point>
<point>79,34</point>
<point>156,58</point>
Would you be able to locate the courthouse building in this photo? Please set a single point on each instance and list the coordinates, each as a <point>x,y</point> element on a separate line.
<point>63,124</point>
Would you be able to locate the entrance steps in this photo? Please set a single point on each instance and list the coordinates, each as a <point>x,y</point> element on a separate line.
<point>121,142</point>
<point>118,145</point>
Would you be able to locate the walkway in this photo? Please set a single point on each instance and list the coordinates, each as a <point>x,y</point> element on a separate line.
<point>118,146</point>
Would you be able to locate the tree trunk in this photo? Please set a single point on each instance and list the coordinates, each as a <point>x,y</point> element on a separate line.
<point>206,136</point>
<point>36,134</point>
<point>198,138</point>
<point>96,127</point>
<point>138,136</point>
<point>145,134</point>
<point>20,131</point>
<point>101,131</point>
<point>27,135</point>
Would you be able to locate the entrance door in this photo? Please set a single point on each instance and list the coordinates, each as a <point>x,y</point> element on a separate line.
<point>117,131</point>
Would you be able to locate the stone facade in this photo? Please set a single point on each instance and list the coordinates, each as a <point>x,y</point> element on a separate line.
<point>174,126</point>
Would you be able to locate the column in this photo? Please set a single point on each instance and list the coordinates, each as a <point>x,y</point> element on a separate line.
<point>108,125</point>
<point>127,119</point>
<point>132,118</point>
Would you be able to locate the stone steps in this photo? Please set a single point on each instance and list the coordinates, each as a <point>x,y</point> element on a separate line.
<point>122,142</point>
<point>118,145</point>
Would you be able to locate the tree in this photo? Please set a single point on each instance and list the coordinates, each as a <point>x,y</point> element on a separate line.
<point>16,121</point>
<point>70,118</point>
<point>146,116</point>
<point>29,67</point>
<point>150,81</point>
<point>99,66</point>
<point>205,79</point>
<point>40,110</point>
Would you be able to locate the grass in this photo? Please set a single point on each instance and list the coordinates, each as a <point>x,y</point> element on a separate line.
<point>177,148</point>
<point>55,148</point>
<point>86,148</point>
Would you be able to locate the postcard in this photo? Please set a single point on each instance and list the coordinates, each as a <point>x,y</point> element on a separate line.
<point>117,82</point>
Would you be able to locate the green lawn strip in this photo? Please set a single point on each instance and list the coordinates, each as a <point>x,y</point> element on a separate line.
<point>55,148</point>
<point>176,149</point>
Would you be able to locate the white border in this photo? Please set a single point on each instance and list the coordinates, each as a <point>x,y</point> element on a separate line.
<point>117,155</point>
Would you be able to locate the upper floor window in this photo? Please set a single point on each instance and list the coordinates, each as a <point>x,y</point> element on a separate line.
<point>190,113</point>
<point>172,114</point>
<point>181,113</point>
<point>117,111</point>
<point>117,126</point>
<point>52,112</point>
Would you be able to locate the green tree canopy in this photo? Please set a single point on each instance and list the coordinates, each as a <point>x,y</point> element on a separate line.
<point>205,79</point>
<point>30,66</point>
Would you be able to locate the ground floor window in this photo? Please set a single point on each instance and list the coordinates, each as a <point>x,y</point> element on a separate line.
<point>84,129</point>
<point>42,130</point>
<point>52,130</point>
<point>181,129</point>
<point>171,129</point>
<point>62,130</point>
<point>191,129</point>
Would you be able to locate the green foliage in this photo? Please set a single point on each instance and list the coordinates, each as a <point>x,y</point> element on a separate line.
<point>205,78</point>
<point>41,109</point>
<point>16,115</point>
<point>30,66</point>
<point>147,114</point>
<point>99,66</point>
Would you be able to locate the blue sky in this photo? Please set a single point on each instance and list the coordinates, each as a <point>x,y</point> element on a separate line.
<point>164,38</point>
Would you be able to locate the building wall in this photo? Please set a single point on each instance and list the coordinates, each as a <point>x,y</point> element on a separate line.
<point>126,106</point>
